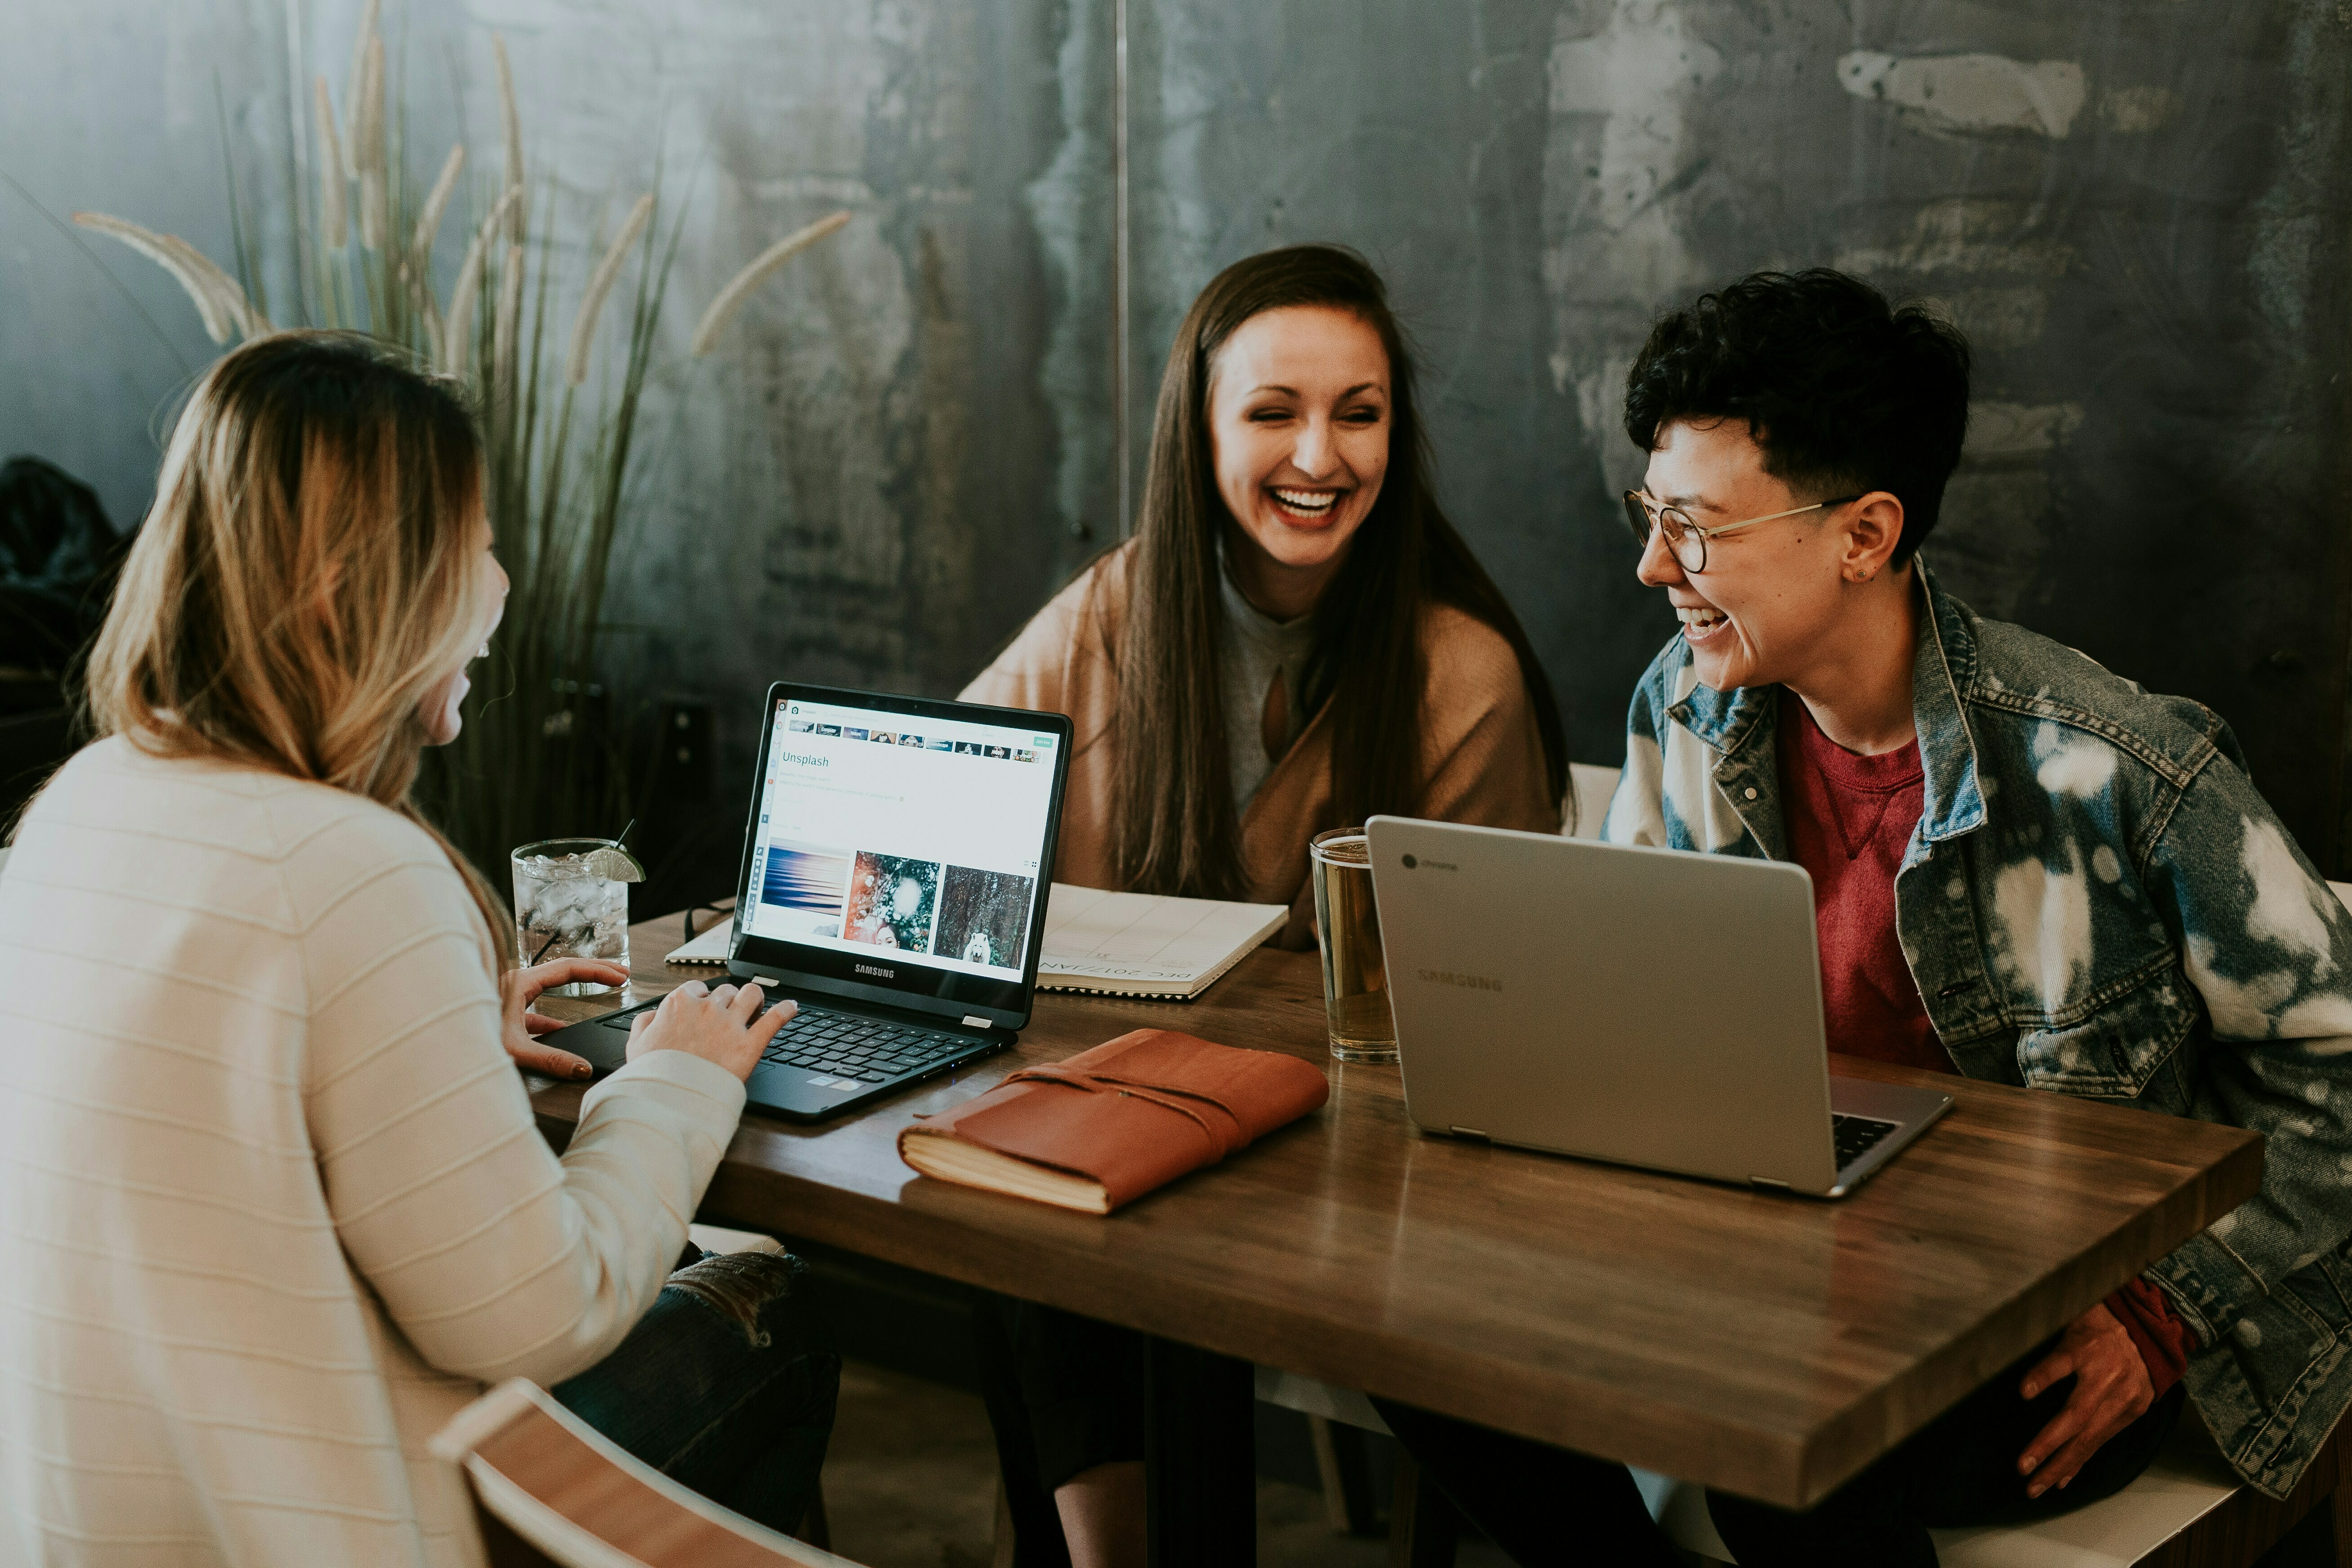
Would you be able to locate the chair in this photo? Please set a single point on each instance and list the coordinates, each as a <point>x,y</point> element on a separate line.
<point>1421,1524</point>
<point>550,1489</point>
<point>2188,1509</point>
<point>1588,789</point>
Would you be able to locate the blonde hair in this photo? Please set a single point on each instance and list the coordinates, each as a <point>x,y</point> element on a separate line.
<point>313,566</point>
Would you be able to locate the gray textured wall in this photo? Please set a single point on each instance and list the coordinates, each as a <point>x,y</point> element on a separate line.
<point>2137,207</point>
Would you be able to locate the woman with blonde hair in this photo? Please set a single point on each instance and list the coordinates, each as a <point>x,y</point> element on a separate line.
<point>272,1202</point>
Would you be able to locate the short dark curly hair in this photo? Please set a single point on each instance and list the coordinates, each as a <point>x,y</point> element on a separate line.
<point>1844,393</point>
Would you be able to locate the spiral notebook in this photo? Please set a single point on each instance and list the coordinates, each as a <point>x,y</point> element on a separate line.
<point>710,947</point>
<point>1144,944</point>
<point>1111,944</point>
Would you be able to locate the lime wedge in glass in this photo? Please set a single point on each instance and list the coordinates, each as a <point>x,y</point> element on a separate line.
<point>614,864</point>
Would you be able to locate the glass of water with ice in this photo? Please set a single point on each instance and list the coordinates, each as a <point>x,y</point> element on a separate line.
<point>571,901</point>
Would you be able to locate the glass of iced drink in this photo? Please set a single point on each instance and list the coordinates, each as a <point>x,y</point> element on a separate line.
<point>571,901</point>
<point>1347,929</point>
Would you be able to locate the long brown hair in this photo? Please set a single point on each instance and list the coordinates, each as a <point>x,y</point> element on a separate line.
<point>1179,827</point>
<point>312,565</point>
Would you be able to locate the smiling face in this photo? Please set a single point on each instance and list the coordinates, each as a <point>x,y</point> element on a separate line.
<point>1299,416</point>
<point>440,710</point>
<point>1769,606</point>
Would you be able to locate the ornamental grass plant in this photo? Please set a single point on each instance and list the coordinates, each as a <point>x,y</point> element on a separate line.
<point>543,752</point>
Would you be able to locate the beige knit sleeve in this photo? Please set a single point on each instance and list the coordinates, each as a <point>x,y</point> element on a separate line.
<point>492,1255</point>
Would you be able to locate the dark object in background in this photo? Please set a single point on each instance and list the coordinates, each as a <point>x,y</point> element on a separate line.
<point>58,558</point>
<point>686,752</point>
<point>690,832</point>
<point>58,555</point>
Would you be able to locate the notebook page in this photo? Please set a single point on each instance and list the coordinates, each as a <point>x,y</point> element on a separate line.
<point>711,946</point>
<point>1144,938</point>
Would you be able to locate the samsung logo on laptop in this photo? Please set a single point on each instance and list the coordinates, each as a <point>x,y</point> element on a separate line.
<point>1468,982</point>
<point>881,973</point>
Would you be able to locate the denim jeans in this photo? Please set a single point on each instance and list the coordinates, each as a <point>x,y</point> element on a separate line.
<point>726,1385</point>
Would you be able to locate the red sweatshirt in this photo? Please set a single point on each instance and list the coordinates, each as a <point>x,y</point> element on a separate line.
<point>1848,820</point>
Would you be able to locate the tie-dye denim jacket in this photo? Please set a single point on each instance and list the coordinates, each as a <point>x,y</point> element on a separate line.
<point>2096,901</point>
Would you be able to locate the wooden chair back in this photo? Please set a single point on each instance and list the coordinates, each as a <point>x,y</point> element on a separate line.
<point>547,1489</point>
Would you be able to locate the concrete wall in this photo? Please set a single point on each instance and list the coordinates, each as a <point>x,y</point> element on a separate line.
<point>2137,207</point>
<point>2137,210</point>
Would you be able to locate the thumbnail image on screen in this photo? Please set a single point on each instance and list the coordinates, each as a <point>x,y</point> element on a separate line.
<point>983,916</point>
<point>806,888</point>
<point>892,901</point>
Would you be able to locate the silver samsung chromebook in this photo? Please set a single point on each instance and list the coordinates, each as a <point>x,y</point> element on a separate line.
<point>1650,1007</point>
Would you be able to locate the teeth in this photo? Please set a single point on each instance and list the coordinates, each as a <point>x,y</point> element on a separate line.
<point>1703,615</point>
<point>1306,500</point>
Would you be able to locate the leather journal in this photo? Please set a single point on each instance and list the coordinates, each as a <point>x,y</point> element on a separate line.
<point>1113,1123</point>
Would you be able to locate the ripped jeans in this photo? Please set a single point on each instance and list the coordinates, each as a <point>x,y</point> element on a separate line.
<point>726,1385</point>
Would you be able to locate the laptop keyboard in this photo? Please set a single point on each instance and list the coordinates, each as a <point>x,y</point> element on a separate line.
<point>1858,1135</point>
<point>871,1050</point>
<point>867,1049</point>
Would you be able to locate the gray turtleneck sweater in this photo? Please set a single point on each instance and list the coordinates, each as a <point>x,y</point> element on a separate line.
<point>1256,651</point>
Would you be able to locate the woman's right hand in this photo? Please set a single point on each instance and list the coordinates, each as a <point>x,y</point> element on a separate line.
<point>716,1025</point>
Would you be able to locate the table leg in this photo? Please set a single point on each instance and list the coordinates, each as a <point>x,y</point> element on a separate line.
<point>1199,1457</point>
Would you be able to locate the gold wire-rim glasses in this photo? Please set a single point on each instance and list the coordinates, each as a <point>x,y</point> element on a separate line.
<point>1688,539</point>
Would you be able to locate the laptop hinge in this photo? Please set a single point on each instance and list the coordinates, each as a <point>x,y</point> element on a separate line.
<point>974,1021</point>
<point>1469,1132</point>
<point>1767,1182</point>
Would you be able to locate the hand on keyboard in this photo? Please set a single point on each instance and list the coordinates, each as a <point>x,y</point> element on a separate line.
<point>727,1025</point>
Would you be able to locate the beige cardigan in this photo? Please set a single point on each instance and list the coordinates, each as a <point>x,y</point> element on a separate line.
<point>272,1202</point>
<point>1481,753</point>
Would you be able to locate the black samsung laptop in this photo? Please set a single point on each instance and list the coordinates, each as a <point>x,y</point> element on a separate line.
<point>893,883</point>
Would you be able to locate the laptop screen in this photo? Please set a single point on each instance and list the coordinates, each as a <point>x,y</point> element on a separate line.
<point>908,846</point>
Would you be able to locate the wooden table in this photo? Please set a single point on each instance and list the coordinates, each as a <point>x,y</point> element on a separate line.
<point>1767,1344</point>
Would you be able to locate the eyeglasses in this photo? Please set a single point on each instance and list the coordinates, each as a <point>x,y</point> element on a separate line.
<point>1686,539</point>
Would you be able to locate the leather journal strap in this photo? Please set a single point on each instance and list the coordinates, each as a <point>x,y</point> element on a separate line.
<point>1226,1133</point>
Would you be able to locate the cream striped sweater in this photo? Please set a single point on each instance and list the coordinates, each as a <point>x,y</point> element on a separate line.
<point>272,1204</point>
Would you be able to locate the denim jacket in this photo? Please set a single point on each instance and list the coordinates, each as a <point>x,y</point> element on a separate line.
<point>2096,901</point>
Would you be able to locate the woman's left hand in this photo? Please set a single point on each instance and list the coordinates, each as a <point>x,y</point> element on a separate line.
<point>519,988</point>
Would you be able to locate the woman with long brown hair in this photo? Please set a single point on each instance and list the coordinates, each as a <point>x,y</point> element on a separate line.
<point>272,1202</point>
<point>1296,639</point>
